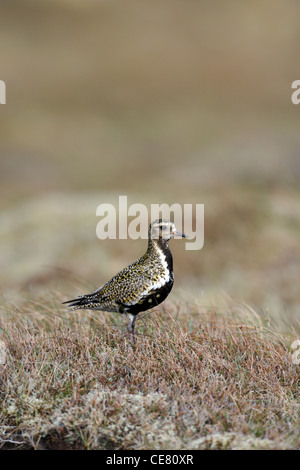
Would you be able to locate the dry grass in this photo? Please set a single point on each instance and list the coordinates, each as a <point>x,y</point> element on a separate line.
<point>114,101</point>
<point>194,380</point>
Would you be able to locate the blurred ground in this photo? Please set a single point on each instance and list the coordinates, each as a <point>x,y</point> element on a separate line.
<point>188,103</point>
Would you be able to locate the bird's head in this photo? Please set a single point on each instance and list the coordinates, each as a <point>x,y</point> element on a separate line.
<point>162,229</point>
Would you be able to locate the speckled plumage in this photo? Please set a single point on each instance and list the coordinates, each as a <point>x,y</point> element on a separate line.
<point>141,285</point>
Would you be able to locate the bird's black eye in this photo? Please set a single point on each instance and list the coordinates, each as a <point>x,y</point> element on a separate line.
<point>163,227</point>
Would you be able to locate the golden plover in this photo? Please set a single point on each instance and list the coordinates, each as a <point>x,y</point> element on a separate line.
<point>141,285</point>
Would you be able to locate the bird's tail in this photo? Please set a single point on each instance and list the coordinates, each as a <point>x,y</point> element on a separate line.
<point>81,302</point>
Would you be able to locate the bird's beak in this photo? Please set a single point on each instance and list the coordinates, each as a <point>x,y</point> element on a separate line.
<point>179,234</point>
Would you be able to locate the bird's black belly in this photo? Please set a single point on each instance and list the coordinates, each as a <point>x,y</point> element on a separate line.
<point>155,298</point>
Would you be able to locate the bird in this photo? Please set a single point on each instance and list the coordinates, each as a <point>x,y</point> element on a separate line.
<point>140,286</point>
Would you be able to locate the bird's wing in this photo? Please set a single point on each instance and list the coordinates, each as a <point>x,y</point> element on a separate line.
<point>127,287</point>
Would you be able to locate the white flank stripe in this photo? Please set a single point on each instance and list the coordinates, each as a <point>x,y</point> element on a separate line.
<point>161,282</point>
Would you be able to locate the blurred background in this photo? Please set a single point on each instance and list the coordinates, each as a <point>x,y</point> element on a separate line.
<point>161,101</point>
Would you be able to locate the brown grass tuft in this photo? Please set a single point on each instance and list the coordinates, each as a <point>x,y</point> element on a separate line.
<point>193,380</point>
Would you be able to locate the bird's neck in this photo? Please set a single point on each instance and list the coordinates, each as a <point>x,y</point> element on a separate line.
<point>161,246</point>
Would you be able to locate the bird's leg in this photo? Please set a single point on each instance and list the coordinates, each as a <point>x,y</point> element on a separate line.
<point>131,324</point>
